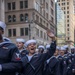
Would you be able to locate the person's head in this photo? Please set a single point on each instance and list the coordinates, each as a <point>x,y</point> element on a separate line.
<point>31,46</point>
<point>2,27</point>
<point>66,47</point>
<point>72,50</point>
<point>57,51</point>
<point>20,43</point>
<point>41,48</point>
<point>62,51</point>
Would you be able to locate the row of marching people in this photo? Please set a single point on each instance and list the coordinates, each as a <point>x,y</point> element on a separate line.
<point>17,60</point>
<point>14,61</point>
<point>61,63</point>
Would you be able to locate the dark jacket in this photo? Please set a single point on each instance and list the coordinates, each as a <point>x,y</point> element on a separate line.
<point>9,59</point>
<point>52,67</point>
<point>35,65</point>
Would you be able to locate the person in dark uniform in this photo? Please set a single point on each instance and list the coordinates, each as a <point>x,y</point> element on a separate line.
<point>33,62</point>
<point>20,44</point>
<point>62,61</point>
<point>51,66</point>
<point>10,61</point>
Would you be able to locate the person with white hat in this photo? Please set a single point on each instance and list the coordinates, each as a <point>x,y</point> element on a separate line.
<point>10,61</point>
<point>33,62</point>
<point>62,51</point>
<point>41,48</point>
<point>20,44</point>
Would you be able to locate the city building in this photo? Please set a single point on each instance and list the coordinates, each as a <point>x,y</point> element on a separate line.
<point>68,7</point>
<point>60,20</point>
<point>2,10</point>
<point>29,19</point>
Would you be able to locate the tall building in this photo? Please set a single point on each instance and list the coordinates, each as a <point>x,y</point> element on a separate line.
<point>2,10</point>
<point>60,25</point>
<point>30,19</point>
<point>74,5</point>
<point>67,7</point>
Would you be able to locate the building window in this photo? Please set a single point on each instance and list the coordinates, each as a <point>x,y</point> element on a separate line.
<point>9,32</point>
<point>9,6</point>
<point>45,36</point>
<point>21,31</point>
<point>67,16</point>
<point>67,3</point>
<point>14,32</point>
<point>37,32</point>
<point>46,5</point>
<point>52,19</point>
<point>44,13</point>
<point>67,20</point>
<point>52,12</point>
<point>67,12</point>
<point>68,29</point>
<point>41,34</point>
<point>64,8</point>
<point>14,18</point>
<point>67,25</point>
<point>64,12</point>
<point>26,17</point>
<point>26,3</point>
<point>21,4</point>
<point>52,3</point>
<point>47,15</point>
<point>41,20</point>
<point>26,31</point>
<point>9,18</point>
<point>41,10</point>
<point>21,17</point>
<point>67,7</point>
<point>37,18</point>
<point>13,5</point>
<point>68,38</point>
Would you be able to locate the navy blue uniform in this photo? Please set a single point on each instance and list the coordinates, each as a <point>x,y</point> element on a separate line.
<point>23,53</point>
<point>52,67</point>
<point>35,65</point>
<point>9,59</point>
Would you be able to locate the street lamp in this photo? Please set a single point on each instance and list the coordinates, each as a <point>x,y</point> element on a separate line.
<point>29,31</point>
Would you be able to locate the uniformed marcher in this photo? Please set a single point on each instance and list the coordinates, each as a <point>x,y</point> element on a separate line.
<point>32,62</point>
<point>62,61</point>
<point>51,66</point>
<point>10,61</point>
<point>20,44</point>
<point>41,48</point>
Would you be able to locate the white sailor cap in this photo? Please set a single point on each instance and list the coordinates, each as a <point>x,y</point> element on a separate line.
<point>65,46</point>
<point>20,40</point>
<point>62,48</point>
<point>6,39</point>
<point>30,41</point>
<point>48,46</point>
<point>41,46</point>
<point>72,47</point>
<point>2,25</point>
<point>57,47</point>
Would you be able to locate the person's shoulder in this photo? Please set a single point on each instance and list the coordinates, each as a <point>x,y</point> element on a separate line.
<point>10,45</point>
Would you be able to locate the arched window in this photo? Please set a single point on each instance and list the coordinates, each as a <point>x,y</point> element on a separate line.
<point>14,18</point>
<point>9,18</point>
<point>26,17</point>
<point>21,17</point>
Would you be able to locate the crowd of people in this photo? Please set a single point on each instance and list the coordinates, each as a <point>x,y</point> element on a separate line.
<point>25,58</point>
